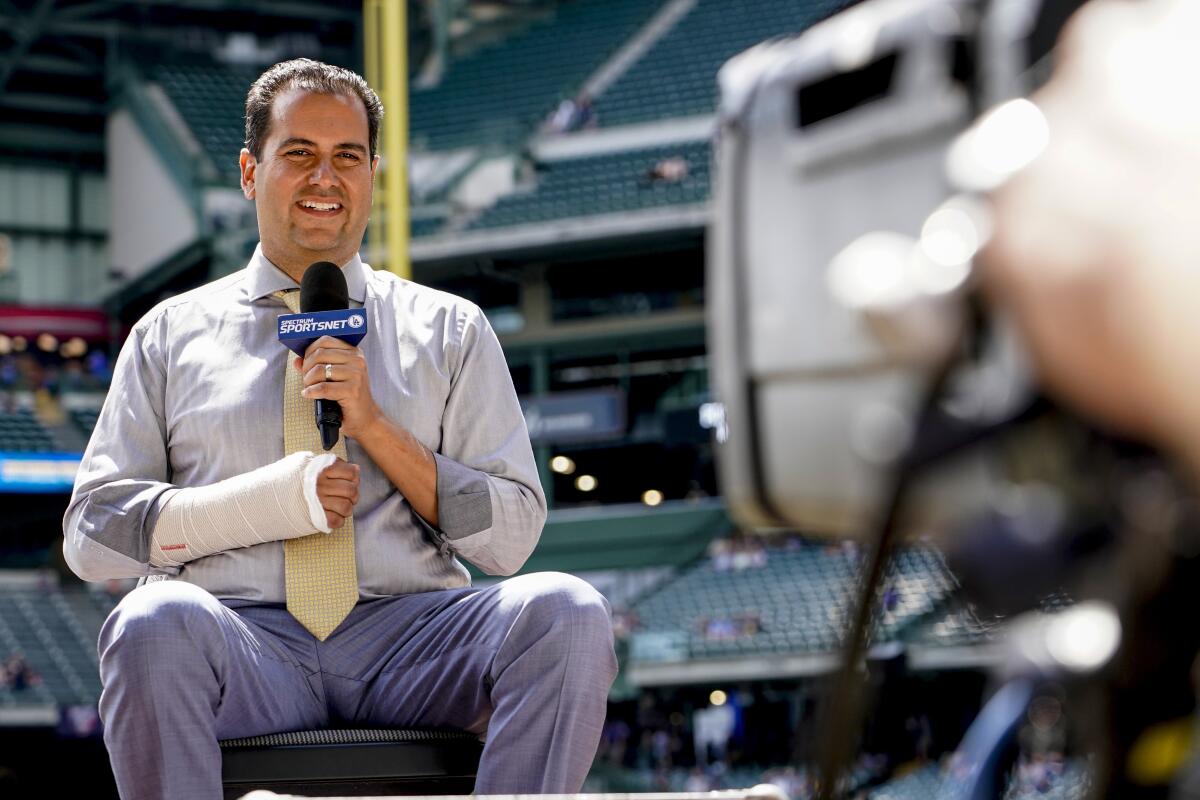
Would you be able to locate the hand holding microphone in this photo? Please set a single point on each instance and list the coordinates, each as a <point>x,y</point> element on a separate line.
<point>334,369</point>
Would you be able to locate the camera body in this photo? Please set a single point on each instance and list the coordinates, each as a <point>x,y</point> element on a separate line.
<point>824,139</point>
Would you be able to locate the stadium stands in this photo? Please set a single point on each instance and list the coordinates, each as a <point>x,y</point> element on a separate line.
<point>677,77</point>
<point>798,601</point>
<point>212,100</point>
<point>502,92</point>
<point>426,226</point>
<point>21,432</point>
<point>55,630</point>
<point>538,66</point>
<point>605,184</point>
<point>85,419</point>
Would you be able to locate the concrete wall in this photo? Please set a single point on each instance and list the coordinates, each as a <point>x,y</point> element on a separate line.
<point>150,216</point>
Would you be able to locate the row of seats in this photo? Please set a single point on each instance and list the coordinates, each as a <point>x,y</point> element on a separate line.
<point>502,92</point>
<point>21,432</point>
<point>799,601</point>
<point>85,419</point>
<point>605,184</point>
<point>499,93</point>
<point>677,76</point>
<point>496,94</point>
<point>55,630</point>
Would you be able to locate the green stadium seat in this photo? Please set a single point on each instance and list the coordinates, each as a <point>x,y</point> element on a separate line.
<point>677,77</point>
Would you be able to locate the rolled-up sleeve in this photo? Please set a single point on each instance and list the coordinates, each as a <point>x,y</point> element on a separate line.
<point>491,507</point>
<point>123,477</point>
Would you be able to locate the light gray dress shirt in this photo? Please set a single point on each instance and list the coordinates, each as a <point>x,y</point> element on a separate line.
<point>197,397</point>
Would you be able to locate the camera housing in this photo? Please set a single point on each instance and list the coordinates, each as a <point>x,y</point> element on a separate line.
<point>834,138</point>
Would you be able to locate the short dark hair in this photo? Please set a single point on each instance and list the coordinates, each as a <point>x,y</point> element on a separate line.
<point>310,76</point>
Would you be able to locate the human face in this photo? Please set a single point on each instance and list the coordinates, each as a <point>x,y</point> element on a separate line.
<point>315,153</point>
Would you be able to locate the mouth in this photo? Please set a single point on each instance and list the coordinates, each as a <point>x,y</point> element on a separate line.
<point>320,209</point>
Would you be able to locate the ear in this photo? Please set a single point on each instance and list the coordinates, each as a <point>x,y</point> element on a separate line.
<point>248,164</point>
<point>374,167</point>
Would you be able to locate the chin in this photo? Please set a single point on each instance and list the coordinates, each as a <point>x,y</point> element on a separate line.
<point>322,246</point>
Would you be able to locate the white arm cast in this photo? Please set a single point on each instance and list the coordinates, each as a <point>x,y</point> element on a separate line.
<point>275,502</point>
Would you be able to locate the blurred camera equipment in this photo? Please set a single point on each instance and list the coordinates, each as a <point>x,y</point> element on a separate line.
<point>864,389</point>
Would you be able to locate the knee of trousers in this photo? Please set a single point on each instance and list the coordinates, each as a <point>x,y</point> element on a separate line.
<point>170,618</point>
<point>569,613</point>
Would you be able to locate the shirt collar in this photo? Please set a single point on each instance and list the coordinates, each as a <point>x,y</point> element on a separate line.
<point>266,278</point>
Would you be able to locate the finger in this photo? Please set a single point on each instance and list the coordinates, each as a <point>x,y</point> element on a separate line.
<point>346,489</point>
<point>334,520</point>
<point>337,372</point>
<point>327,343</point>
<point>331,390</point>
<point>340,470</point>
<point>325,355</point>
<point>338,505</point>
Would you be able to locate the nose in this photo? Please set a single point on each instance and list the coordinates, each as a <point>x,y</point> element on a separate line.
<point>323,173</point>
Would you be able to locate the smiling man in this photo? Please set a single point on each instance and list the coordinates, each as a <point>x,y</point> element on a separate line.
<point>194,482</point>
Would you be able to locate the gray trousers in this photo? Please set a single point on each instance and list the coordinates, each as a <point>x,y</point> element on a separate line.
<point>527,661</point>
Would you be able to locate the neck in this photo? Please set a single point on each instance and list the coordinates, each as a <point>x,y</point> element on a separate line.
<point>295,268</point>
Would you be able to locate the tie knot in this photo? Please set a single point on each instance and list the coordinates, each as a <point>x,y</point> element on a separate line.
<point>290,298</point>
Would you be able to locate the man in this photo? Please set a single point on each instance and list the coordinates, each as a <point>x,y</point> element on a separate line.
<point>192,480</point>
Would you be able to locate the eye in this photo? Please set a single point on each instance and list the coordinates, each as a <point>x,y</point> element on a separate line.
<point>349,156</point>
<point>297,152</point>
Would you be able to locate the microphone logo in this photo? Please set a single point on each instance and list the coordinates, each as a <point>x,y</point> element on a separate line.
<point>356,321</point>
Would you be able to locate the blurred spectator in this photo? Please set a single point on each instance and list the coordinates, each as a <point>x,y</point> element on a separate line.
<point>614,741</point>
<point>737,553</point>
<point>79,721</point>
<point>721,552</point>
<point>98,366</point>
<point>712,728</point>
<point>9,373</point>
<point>697,781</point>
<point>17,674</point>
<point>669,170</point>
<point>729,628</point>
<point>625,622</point>
<point>572,115</point>
<point>891,598</point>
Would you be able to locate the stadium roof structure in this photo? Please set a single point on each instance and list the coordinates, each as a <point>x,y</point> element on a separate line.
<point>57,56</point>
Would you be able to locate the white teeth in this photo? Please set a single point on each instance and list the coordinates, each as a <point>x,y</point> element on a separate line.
<point>320,206</point>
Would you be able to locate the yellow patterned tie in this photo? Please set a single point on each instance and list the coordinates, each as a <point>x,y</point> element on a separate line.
<point>320,576</point>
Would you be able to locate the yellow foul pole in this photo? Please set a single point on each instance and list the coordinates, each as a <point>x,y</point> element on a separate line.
<point>385,51</point>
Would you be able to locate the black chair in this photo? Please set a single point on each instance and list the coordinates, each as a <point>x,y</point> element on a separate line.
<point>351,762</point>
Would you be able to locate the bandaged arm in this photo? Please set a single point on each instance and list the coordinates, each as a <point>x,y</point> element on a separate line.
<point>275,502</point>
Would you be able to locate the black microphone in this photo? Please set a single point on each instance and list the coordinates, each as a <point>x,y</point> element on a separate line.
<point>323,288</point>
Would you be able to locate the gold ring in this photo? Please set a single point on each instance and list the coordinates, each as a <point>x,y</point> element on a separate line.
<point>329,372</point>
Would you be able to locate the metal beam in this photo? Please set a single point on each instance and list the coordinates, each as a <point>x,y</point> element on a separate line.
<point>283,8</point>
<point>47,138</point>
<point>51,104</point>
<point>289,9</point>
<point>88,10</point>
<point>57,65</point>
<point>112,28</point>
<point>27,34</point>
<point>78,52</point>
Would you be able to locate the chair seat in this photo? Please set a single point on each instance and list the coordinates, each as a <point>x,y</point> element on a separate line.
<point>352,761</point>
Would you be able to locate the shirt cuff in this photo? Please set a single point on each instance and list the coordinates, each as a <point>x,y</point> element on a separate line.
<point>464,499</point>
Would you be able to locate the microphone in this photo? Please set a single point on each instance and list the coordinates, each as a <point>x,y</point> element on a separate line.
<point>323,288</point>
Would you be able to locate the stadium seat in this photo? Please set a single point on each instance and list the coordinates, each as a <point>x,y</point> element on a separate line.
<point>678,76</point>
<point>352,762</point>
<point>604,184</point>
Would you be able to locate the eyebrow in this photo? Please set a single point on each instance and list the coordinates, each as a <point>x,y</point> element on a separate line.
<point>309,143</point>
